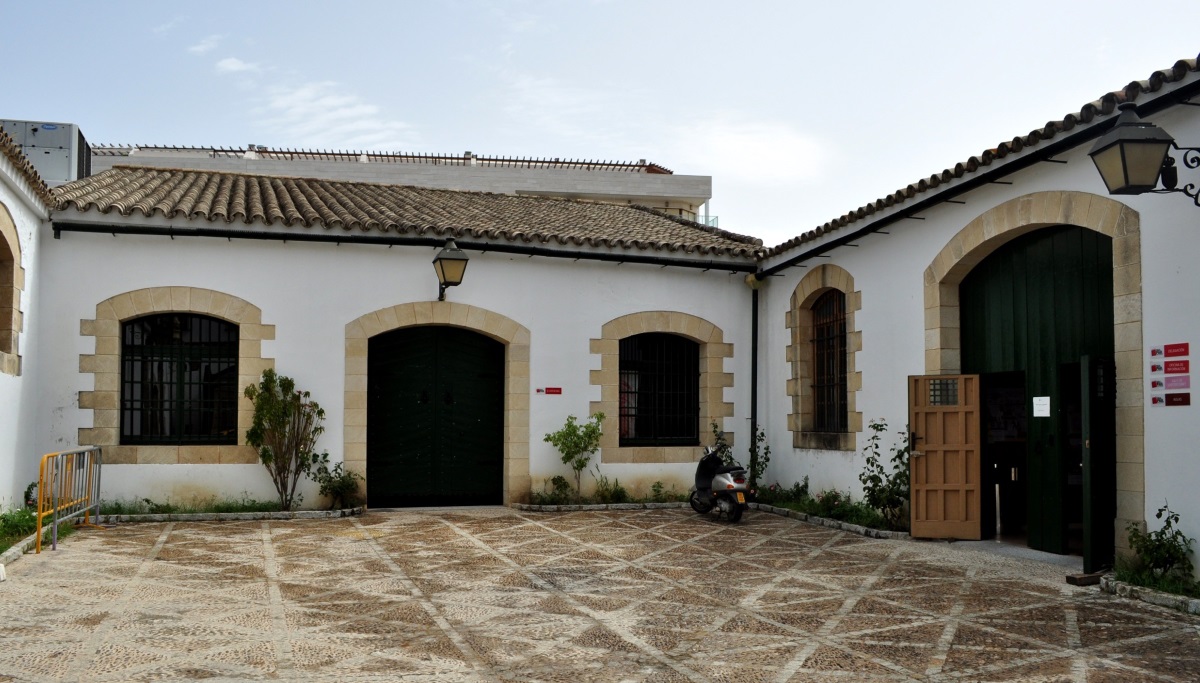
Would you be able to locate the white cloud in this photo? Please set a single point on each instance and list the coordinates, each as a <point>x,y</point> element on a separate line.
<point>235,65</point>
<point>321,114</point>
<point>163,28</point>
<point>206,45</point>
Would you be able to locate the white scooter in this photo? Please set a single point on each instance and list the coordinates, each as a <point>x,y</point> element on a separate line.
<point>719,486</point>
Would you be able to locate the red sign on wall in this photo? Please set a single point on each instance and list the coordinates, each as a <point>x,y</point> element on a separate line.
<point>1176,367</point>
<point>1175,350</point>
<point>553,390</point>
<point>1179,399</point>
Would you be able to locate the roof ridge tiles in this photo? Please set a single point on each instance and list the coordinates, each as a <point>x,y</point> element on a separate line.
<point>25,169</point>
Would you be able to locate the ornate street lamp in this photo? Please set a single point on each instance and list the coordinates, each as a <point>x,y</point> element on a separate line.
<point>1133,155</point>
<point>450,264</point>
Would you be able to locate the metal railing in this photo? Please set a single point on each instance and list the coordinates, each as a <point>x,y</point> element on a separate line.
<point>68,487</point>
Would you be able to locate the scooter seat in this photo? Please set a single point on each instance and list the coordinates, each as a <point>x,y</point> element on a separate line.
<point>730,468</point>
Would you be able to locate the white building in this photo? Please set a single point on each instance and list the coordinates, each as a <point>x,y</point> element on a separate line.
<point>1053,325</point>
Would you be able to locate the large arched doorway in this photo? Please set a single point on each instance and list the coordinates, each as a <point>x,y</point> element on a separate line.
<point>435,418</point>
<point>1037,327</point>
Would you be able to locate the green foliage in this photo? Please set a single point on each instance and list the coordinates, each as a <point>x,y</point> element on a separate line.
<point>341,485</point>
<point>561,493</point>
<point>287,424</point>
<point>118,506</point>
<point>577,443</point>
<point>760,456</point>
<point>830,504</point>
<point>1163,553</point>
<point>886,489</point>
<point>31,500</point>
<point>660,494</point>
<point>721,446</point>
<point>776,494</point>
<point>18,524</point>
<point>609,491</point>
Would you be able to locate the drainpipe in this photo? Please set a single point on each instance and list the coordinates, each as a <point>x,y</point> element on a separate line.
<point>755,284</point>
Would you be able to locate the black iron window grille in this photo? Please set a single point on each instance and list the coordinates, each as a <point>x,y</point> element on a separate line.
<point>179,375</point>
<point>829,362</point>
<point>660,390</point>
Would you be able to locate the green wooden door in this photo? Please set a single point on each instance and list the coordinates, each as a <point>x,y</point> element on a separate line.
<point>435,418</point>
<point>1099,462</point>
<point>1038,305</point>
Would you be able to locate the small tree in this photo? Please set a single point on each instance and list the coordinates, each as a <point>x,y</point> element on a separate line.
<point>286,426</point>
<point>577,443</point>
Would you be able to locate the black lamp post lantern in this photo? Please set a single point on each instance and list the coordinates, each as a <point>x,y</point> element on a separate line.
<point>1133,155</point>
<point>450,264</point>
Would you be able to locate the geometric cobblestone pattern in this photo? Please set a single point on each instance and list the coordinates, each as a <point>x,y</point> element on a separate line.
<point>492,594</point>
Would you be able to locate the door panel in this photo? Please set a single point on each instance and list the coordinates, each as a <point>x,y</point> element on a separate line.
<point>1098,387</point>
<point>435,418</point>
<point>945,462</point>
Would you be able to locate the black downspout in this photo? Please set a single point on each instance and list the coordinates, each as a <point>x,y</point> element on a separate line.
<point>754,372</point>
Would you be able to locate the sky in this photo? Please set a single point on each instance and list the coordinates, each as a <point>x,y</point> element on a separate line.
<point>800,111</point>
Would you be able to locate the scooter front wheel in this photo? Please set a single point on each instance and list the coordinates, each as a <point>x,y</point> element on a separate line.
<point>698,504</point>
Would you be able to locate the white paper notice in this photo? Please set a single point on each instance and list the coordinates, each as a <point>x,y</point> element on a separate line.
<point>1041,406</point>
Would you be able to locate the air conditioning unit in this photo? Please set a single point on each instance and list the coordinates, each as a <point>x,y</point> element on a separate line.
<point>58,151</point>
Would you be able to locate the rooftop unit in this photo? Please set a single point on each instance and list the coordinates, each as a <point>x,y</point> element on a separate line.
<point>58,151</point>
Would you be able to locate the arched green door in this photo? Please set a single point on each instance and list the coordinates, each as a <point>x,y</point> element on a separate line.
<point>435,418</point>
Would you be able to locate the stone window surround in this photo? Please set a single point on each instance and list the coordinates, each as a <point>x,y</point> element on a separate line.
<point>515,337</point>
<point>713,381</point>
<point>105,366</point>
<point>12,283</point>
<point>1005,222</point>
<point>799,357</point>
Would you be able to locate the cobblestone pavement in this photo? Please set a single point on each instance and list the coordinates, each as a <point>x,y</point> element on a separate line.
<point>490,594</point>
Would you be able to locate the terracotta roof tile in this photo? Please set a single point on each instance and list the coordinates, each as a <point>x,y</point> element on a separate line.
<point>368,207</point>
<point>10,150</point>
<point>1105,106</point>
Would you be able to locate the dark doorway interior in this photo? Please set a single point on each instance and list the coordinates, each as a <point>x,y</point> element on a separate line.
<point>435,418</point>
<point>1005,431</point>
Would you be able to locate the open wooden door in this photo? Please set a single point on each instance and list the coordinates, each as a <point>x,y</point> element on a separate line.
<point>945,461</point>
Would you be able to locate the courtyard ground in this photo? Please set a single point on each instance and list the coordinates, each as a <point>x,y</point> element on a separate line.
<point>493,594</point>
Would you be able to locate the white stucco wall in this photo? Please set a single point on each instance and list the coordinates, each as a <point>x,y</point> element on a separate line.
<point>888,269</point>
<point>19,449</point>
<point>310,291</point>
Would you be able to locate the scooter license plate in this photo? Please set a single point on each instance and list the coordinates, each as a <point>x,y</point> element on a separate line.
<point>741,497</point>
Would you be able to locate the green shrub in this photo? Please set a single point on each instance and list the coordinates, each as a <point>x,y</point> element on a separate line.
<point>341,485</point>
<point>609,491</point>
<point>886,489</point>
<point>1163,552</point>
<point>560,494</point>
<point>776,494</point>
<point>287,424</point>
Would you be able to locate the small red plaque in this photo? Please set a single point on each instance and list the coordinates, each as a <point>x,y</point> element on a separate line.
<point>1175,350</point>
<point>1179,399</point>
<point>553,390</point>
<point>1176,367</point>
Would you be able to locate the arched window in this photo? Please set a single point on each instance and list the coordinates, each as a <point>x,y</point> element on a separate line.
<point>659,390</point>
<point>179,379</point>
<point>9,297</point>
<point>829,362</point>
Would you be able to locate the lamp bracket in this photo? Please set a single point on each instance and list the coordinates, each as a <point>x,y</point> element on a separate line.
<point>1170,175</point>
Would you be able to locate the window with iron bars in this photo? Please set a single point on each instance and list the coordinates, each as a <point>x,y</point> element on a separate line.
<point>179,375</point>
<point>829,362</point>
<point>659,390</point>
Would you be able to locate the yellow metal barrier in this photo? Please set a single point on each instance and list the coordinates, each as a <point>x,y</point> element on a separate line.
<point>68,486</point>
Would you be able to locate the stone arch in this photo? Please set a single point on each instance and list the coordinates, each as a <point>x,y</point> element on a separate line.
<point>799,357</point>
<point>1005,222</point>
<point>713,380</point>
<point>513,335</point>
<point>12,283</point>
<point>105,367</point>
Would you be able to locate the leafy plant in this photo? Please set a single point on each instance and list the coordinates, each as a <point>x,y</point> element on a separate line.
<point>1163,552</point>
<point>560,494</point>
<point>577,443</point>
<point>287,424</point>
<point>886,489</point>
<point>341,485</point>
<point>609,491</point>
<point>31,497</point>
<point>760,452</point>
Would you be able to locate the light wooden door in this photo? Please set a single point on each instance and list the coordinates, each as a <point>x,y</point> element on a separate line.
<point>944,463</point>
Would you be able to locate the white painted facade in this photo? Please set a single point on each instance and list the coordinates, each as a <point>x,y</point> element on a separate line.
<point>309,292</point>
<point>889,270</point>
<point>19,447</point>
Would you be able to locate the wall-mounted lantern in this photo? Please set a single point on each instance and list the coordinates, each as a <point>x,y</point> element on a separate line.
<point>450,264</point>
<point>1133,156</point>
